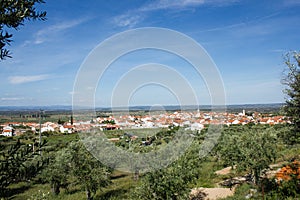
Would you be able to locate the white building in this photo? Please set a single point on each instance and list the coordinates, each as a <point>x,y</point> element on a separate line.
<point>8,131</point>
<point>66,129</point>
<point>197,126</point>
<point>47,129</point>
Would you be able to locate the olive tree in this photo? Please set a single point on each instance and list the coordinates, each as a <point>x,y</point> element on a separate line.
<point>18,162</point>
<point>13,14</point>
<point>171,182</point>
<point>252,150</point>
<point>58,171</point>
<point>87,170</point>
<point>74,164</point>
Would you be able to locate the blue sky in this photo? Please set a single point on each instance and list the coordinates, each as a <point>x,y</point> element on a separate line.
<point>245,38</point>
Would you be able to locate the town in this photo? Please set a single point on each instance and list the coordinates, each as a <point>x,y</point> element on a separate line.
<point>192,120</point>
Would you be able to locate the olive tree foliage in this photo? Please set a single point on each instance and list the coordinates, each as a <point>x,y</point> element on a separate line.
<point>58,171</point>
<point>89,172</point>
<point>19,162</point>
<point>171,182</point>
<point>76,165</point>
<point>252,150</point>
<point>163,184</point>
<point>291,80</point>
<point>13,14</point>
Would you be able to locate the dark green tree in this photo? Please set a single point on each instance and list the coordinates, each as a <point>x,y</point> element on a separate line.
<point>60,122</point>
<point>87,170</point>
<point>251,150</point>
<point>174,181</point>
<point>18,162</point>
<point>163,184</point>
<point>57,173</point>
<point>13,14</point>
<point>292,82</point>
<point>74,164</point>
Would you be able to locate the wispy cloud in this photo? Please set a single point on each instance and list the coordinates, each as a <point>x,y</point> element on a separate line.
<point>291,2</point>
<point>221,28</point>
<point>42,35</point>
<point>246,23</point>
<point>182,4</point>
<point>277,50</point>
<point>133,17</point>
<point>127,20</point>
<point>12,98</point>
<point>171,4</point>
<point>27,79</point>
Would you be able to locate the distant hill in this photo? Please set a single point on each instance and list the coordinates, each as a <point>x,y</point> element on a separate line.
<point>35,108</point>
<point>274,107</point>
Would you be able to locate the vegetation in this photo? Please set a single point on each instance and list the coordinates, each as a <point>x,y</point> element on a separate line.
<point>88,171</point>
<point>171,182</point>
<point>287,181</point>
<point>292,82</point>
<point>13,15</point>
<point>67,168</point>
<point>72,173</point>
<point>58,171</point>
<point>285,185</point>
<point>252,150</point>
<point>19,162</point>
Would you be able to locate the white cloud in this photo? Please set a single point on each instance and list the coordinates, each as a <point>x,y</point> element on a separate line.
<point>182,4</point>
<point>171,4</point>
<point>258,26</point>
<point>291,2</point>
<point>12,98</point>
<point>27,79</point>
<point>278,50</point>
<point>42,35</point>
<point>127,20</point>
<point>133,17</point>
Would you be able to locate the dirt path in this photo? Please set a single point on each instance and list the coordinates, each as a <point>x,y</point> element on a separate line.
<point>214,193</point>
<point>227,170</point>
<point>218,192</point>
<point>223,171</point>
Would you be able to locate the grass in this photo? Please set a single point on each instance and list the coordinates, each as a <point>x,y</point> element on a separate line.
<point>54,140</point>
<point>289,153</point>
<point>121,184</point>
<point>240,192</point>
<point>43,191</point>
<point>120,188</point>
<point>140,132</point>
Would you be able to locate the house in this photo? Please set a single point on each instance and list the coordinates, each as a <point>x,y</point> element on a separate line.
<point>66,129</point>
<point>148,124</point>
<point>263,121</point>
<point>236,122</point>
<point>47,129</point>
<point>8,131</point>
<point>197,127</point>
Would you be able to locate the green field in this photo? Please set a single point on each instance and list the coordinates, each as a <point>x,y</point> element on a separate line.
<point>178,178</point>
